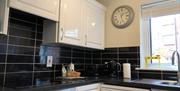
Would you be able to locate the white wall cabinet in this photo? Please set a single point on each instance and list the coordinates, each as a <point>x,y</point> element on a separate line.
<point>4,15</point>
<point>120,88</point>
<point>70,30</point>
<point>45,8</point>
<point>91,87</point>
<point>81,24</point>
<point>95,23</point>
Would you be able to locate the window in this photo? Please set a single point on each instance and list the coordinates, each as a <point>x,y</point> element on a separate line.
<point>160,33</point>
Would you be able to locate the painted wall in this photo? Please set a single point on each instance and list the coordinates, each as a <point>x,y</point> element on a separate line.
<point>126,37</point>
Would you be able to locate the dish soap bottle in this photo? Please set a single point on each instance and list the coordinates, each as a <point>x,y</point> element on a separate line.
<point>63,71</point>
<point>71,67</point>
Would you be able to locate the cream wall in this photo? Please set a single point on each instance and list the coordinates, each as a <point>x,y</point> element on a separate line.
<point>126,37</point>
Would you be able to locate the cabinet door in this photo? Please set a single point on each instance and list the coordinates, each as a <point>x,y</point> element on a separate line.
<point>92,87</point>
<point>109,89</point>
<point>120,88</point>
<point>95,17</point>
<point>44,8</point>
<point>70,22</point>
<point>4,16</point>
<point>70,89</point>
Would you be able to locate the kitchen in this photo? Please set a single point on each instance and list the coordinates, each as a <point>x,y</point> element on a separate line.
<point>42,42</point>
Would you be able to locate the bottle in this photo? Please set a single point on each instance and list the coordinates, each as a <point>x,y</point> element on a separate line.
<point>71,67</point>
<point>63,71</point>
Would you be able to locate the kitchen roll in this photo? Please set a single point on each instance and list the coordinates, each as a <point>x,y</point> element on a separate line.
<point>127,70</point>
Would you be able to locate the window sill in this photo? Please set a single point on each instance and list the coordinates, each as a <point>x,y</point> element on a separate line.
<point>159,69</point>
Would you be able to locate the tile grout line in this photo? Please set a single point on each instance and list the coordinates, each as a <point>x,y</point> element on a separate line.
<point>20,37</point>
<point>26,21</point>
<point>71,55</point>
<point>34,57</point>
<point>5,67</point>
<point>84,60</point>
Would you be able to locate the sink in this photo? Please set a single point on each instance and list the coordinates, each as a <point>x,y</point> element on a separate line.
<point>169,82</point>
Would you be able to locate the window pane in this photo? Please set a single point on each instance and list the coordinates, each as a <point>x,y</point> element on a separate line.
<point>164,37</point>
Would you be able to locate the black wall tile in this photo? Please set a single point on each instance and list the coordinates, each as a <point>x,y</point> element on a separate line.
<point>88,61</point>
<point>3,48</point>
<point>150,75</point>
<point>18,80</point>
<point>169,75</point>
<point>109,55</point>
<point>19,68</point>
<point>41,75</point>
<point>21,33</point>
<point>3,39</point>
<point>129,49</point>
<point>19,59</point>
<point>23,16</point>
<point>65,60</point>
<point>134,61</point>
<point>78,54</point>
<point>38,43</point>
<point>78,60</point>
<point>39,29</point>
<point>121,61</point>
<point>39,35</point>
<point>20,50</point>
<point>128,55</point>
<point>21,41</point>
<point>96,55</point>
<point>20,24</point>
<point>43,67</point>
<point>1,68</point>
<point>1,81</point>
<point>110,50</point>
<point>88,54</point>
<point>2,58</point>
<point>96,61</point>
<point>65,54</point>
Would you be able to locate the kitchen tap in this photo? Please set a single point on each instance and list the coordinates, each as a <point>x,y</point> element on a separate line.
<point>173,60</point>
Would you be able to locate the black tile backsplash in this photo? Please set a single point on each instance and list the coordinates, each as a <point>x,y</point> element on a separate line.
<point>19,68</point>
<point>19,59</point>
<point>15,80</point>
<point>23,58</point>
<point>19,50</point>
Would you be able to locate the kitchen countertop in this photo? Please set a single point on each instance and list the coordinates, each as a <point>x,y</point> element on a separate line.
<point>50,85</point>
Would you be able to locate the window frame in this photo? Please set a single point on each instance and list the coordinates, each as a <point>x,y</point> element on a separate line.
<point>147,40</point>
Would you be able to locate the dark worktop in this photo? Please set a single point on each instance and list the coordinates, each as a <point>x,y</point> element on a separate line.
<point>50,85</point>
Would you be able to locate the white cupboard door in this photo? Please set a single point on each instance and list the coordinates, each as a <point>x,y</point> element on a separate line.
<point>120,88</point>
<point>70,89</point>
<point>109,89</point>
<point>91,87</point>
<point>95,26</point>
<point>44,8</point>
<point>70,22</point>
<point>4,16</point>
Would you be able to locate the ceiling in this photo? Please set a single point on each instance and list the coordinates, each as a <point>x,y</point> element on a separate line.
<point>107,2</point>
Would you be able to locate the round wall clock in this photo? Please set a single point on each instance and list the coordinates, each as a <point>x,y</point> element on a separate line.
<point>122,16</point>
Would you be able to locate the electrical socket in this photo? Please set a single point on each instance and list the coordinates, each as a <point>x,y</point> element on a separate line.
<point>49,61</point>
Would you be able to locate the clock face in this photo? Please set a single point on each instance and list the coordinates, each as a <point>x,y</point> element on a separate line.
<point>122,16</point>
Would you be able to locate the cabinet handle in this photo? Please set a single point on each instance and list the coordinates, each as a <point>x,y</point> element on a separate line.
<point>62,30</point>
